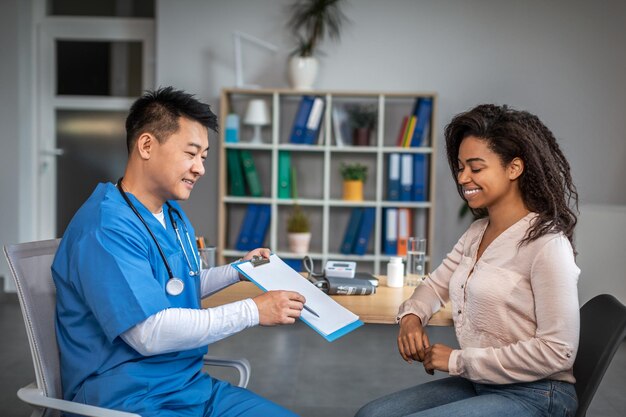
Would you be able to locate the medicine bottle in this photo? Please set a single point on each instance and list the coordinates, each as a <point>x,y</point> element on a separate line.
<point>395,272</point>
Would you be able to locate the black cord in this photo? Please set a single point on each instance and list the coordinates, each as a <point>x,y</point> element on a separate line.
<point>132,206</point>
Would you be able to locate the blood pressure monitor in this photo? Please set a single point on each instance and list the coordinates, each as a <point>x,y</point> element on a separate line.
<point>340,269</point>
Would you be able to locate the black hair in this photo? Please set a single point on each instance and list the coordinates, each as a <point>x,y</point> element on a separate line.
<point>546,183</point>
<point>157,112</point>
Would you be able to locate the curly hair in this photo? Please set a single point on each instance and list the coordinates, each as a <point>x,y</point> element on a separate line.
<point>546,182</point>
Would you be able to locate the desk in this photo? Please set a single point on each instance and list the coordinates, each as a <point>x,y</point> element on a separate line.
<point>380,308</point>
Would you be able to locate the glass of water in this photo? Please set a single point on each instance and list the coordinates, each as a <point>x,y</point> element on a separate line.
<point>415,261</point>
<point>207,257</point>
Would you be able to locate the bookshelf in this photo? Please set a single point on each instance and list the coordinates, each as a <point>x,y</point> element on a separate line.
<point>318,176</point>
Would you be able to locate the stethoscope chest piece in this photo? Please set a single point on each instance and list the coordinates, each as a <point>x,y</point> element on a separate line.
<point>174,286</point>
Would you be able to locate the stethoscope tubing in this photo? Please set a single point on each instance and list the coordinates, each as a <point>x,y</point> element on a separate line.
<point>170,274</point>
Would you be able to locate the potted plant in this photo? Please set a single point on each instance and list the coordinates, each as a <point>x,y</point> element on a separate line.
<point>298,225</point>
<point>309,22</point>
<point>354,176</point>
<point>363,118</point>
<point>298,231</point>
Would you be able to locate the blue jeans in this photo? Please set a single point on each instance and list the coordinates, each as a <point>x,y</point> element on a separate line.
<point>459,397</point>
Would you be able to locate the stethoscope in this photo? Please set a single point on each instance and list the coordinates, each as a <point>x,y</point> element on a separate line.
<point>174,286</point>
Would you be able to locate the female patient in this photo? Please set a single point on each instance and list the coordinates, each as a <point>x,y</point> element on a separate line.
<point>511,280</point>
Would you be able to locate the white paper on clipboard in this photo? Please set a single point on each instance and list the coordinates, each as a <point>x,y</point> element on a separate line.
<point>334,320</point>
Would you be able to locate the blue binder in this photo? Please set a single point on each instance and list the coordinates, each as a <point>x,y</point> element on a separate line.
<point>352,229</point>
<point>314,122</point>
<point>298,131</point>
<point>295,264</point>
<point>422,127</point>
<point>420,177</point>
<point>390,241</point>
<point>244,240</point>
<point>393,177</point>
<point>365,230</point>
<point>261,224</point>
<point>406,177</point>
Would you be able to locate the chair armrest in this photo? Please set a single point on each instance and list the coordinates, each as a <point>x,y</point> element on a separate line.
<point>32,395</point>
<point>242,365</point>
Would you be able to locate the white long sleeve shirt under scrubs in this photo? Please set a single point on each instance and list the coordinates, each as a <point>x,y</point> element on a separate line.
<point>177,329</point>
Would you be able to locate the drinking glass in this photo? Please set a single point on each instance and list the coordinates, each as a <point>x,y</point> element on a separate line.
<point>207,257</point>
<point>415,261</point>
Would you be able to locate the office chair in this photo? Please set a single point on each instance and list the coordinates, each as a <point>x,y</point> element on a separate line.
<point>602,331</point>
<point>30,266</point>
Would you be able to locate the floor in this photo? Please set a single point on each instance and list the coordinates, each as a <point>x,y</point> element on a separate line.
<point>297,368</point>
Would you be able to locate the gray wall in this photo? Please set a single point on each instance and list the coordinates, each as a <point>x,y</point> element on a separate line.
<point>562,60</point>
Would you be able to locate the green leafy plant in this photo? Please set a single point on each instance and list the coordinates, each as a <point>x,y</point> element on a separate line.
<point>353,172</point>
<point>311,20</point>
<point>298,221</point>
<point>362,115</point>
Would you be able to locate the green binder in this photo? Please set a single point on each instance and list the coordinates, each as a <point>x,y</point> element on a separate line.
<point>284,177</point>
<point>235,174</point>
<point>251,174</point>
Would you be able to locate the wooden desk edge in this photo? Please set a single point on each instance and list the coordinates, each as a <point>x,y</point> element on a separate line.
<point>379,308</point>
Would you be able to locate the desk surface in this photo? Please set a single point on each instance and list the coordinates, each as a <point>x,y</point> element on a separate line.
<point>381,307</point>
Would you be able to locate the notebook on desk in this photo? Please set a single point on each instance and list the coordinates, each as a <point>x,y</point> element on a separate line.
<point>334,320</point>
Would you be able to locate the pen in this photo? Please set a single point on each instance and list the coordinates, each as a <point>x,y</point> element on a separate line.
<point>310,310</point>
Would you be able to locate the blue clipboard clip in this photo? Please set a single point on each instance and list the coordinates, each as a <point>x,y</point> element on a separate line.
<point>259,260</point>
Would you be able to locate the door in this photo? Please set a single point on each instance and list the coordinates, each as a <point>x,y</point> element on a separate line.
<point>90,71</point>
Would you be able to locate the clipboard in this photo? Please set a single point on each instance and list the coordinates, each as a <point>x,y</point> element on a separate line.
<point>271,274</point>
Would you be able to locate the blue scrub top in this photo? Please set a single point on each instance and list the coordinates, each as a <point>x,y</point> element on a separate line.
<point>109,277</point>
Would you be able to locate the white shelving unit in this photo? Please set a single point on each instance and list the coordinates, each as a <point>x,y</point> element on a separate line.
<point>319,180</point>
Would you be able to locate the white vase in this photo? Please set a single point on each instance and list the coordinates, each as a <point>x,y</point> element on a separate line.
<point>302,72</point>
<point>299,242</point>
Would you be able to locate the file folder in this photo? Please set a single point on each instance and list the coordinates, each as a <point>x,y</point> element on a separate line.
<point>393,178</point>
<point>390,243</point>
<point>406,177</point>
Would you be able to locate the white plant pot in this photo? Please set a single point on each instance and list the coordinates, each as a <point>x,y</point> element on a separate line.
<point>302,72</point>
<point>299,242</point>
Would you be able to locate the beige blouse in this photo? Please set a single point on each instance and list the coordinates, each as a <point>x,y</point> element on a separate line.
<point>516,314</point>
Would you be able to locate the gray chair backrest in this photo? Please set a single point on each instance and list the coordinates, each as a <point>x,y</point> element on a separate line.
<point>30,265</point>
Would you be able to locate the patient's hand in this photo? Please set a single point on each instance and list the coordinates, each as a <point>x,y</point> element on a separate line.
<point>412,339</point>
<point>436,358</point>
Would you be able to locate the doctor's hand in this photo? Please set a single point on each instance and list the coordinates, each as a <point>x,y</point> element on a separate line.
<point>262,252</point>
<point>412,339</point>
<point>279,307</point>
<point>436,358</point>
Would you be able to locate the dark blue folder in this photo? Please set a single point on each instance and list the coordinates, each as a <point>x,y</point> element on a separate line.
<point>422,127</point>
<point>365,231</point>
<point>349,237</point>
<point>261,225</point>
<point>298,131</point>
<point>420,177</point>
<point>244,240</point>
<point>393,177</point>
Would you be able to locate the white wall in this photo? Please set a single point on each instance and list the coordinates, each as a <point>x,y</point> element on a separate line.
<point>15,126</point>
<point>562,60</point>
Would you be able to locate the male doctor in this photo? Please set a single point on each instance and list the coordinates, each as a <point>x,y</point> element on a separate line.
<point>130,328</point>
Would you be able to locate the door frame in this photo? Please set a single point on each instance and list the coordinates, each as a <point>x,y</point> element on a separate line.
<point>49,30</point>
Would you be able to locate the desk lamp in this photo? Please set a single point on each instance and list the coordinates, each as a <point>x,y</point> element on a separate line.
<point>257,115</point>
